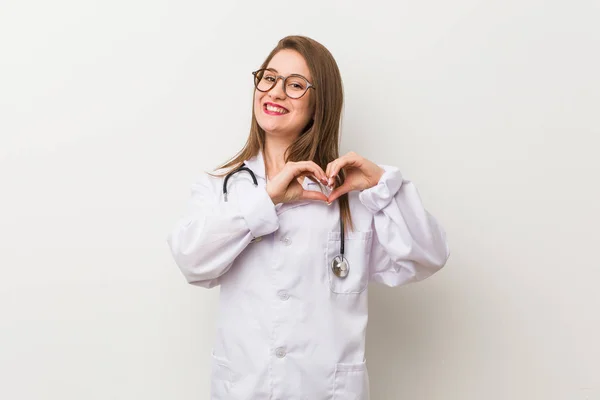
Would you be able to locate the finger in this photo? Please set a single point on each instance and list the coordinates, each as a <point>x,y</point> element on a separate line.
<point>321,175</point>
<point>313,195</point>
<point>350,158</point>
<point>291,171</point>
<point>309,166</point>
<point>334,169</point>
<point>311,177</point>
<point>331,165</point>
<point>339,191</point>
<point>345,161</point>
<point>330,168</point>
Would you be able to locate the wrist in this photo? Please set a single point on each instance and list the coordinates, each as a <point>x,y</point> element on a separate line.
<point>377,177</point>
<point>381,172</point>
<point>272,196</point>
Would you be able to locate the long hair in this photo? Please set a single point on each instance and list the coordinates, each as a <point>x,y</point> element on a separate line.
<point>319,142</point>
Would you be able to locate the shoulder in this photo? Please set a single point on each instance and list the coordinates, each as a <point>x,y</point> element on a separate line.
<point>208,182</point>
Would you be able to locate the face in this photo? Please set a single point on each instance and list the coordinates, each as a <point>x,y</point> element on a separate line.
<point>276,113</point>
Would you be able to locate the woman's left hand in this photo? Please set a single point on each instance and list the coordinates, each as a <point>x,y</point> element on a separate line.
<point>360,174</point>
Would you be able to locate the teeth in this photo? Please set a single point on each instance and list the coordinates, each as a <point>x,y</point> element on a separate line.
<point>275,109</point>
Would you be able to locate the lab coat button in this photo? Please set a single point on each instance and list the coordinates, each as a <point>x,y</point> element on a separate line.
<point>280,352</point>
<point>286,240</point>
<point>283,295</point>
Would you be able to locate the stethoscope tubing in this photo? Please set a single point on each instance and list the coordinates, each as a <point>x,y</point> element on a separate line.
<point>243,167</point>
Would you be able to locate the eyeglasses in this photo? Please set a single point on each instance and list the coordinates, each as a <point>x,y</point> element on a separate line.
<point>294,86</point>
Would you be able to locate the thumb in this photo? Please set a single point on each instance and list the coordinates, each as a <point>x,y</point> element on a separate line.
<point>339,191</point>
<point>313,195</point>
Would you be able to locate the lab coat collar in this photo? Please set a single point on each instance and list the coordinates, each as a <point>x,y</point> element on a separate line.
<point>257,165</point>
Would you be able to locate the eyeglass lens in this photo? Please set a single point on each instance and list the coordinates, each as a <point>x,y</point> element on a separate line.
<point>294,86</point>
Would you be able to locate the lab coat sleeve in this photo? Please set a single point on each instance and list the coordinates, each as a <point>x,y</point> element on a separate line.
<point>212,233</point>
<point>408,243</point>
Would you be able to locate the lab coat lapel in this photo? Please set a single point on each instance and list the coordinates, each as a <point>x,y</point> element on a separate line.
<point>257,165</point>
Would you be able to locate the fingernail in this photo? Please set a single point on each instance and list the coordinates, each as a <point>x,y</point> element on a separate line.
<point>328,203</point>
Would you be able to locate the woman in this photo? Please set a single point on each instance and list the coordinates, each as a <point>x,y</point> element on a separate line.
<point>293,300</point>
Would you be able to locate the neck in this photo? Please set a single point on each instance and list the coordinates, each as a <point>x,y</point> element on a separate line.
<point>273,154</point>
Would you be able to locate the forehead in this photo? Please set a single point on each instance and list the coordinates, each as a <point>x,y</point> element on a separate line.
<point>288,62</point>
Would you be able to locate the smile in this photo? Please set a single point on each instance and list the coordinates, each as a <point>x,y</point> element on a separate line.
<point>273,109</point>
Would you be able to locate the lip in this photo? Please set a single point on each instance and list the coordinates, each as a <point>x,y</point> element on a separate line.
<point>274,105</point>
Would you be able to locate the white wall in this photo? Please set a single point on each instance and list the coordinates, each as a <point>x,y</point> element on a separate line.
<point>109,110</point>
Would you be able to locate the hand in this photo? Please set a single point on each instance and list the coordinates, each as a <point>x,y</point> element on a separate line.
<point>284,187</point>
<point>360,174</point>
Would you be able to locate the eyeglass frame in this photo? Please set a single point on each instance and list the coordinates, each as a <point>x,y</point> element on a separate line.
<point>283,79</point>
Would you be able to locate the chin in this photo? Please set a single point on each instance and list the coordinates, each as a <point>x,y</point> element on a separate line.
<point>271,126</point>
<point>275,132</point>
<point>278,131</point>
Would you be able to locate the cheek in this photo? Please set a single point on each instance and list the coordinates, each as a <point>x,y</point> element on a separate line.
<point>306,110</point>
<point>309,104</point>
<point>257,98</point>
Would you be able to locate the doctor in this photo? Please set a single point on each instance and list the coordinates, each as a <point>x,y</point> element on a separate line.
<point>297,238</point>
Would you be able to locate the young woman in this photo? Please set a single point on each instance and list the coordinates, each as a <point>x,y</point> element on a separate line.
<point>293,233</point>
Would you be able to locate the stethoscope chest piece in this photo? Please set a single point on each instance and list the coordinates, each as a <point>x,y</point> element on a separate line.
<point>340,266</point>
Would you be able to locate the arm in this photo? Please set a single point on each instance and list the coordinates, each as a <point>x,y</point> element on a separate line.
<point>212,233</point>
<point>408,243</point>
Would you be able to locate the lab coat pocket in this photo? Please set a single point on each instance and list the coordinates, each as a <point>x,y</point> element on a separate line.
<point>357,247</point>
<point>222,378</point>
<point>351,382</point>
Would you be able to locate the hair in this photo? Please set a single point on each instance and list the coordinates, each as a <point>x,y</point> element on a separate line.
<point>319,141</point>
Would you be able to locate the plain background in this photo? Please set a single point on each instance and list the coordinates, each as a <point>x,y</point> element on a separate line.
<point>109,110</point>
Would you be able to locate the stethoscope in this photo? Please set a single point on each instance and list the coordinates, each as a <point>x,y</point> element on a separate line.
<point>339,265</point>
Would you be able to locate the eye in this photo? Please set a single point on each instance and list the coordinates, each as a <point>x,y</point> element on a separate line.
<point>297,85</point>
<point>269,78</point>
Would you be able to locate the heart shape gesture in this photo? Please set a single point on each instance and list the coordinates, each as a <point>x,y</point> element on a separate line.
<point>361,174</point>
<point>286,185</point>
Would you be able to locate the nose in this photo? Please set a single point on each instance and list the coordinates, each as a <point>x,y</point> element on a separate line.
<point>277,92</point>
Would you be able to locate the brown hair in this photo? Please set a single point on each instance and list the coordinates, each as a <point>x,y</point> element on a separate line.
<point>319,142</point>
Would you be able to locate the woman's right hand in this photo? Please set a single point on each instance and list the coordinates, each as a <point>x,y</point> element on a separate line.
<point>284,187</point>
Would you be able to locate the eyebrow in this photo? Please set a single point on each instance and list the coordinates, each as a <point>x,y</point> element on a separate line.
<point>274,70</point>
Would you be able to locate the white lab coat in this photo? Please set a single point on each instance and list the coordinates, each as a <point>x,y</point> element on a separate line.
<point>288,328</point>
